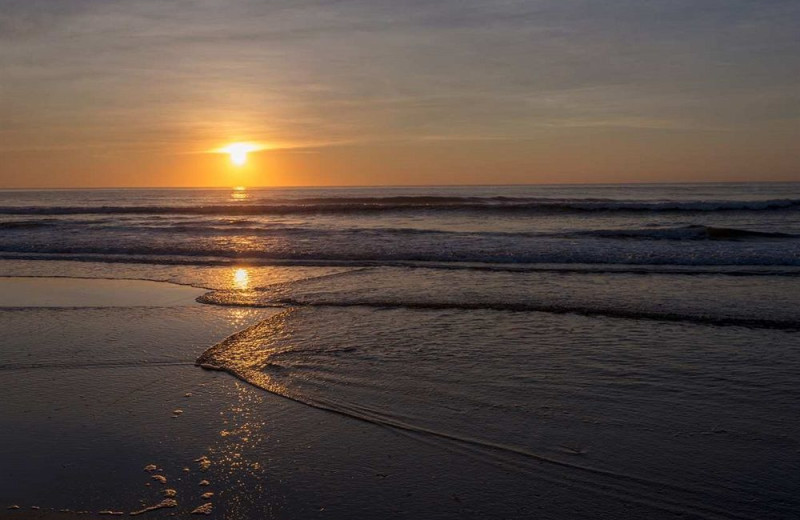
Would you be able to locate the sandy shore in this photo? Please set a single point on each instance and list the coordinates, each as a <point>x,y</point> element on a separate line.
<point>99,382</point>
<point>104,410</point>
<point>55,515</point>
<point>72,292</point>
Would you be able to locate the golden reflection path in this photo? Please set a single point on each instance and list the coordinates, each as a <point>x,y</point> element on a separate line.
<point>241,279</point>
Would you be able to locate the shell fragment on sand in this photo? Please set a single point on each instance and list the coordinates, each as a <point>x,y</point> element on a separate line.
<point>205,509</point>
<point>203,462</point>
<point>167,502</point>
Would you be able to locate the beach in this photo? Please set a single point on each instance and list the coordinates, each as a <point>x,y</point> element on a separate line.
<point>356,260</point>
<point>111,387</point>
<point>498,358</point>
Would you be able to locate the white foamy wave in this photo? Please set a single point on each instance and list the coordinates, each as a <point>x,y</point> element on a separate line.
<point>405,204</point>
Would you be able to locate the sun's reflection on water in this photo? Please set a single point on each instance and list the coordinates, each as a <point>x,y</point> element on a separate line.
<point>242,317</point>
<point>241,279</point>
<point>240,193</point>
<point>238,454</point>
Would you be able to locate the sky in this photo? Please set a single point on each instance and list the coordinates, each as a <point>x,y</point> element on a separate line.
<point>131,93</point>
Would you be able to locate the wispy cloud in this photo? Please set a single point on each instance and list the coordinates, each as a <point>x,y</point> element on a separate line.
<point>155,74</point>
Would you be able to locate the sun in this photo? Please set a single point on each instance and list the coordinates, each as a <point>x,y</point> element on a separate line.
<point>238,152</point>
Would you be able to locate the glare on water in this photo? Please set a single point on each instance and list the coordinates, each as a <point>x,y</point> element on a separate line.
<point>241,279</point>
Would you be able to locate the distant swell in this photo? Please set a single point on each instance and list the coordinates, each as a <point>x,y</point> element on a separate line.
<point>25,224</point>
<point>429,204</point>
<point>691,232</point>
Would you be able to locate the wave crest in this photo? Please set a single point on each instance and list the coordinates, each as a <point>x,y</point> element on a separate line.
<point>430,204</point>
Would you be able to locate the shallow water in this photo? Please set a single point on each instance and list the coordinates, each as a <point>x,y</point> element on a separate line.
<point>702,409</point>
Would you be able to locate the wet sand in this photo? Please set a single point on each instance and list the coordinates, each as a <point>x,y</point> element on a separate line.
<point>99,382</point>
<point>105,410</point>
<point>99,389</point>
<point>48,515</point>
<point>72,292</point>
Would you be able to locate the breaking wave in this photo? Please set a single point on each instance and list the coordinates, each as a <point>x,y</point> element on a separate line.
<point>429,204</point>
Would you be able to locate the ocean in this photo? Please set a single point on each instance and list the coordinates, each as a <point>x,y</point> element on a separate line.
<point>708,226</point>
<point>636,344</point>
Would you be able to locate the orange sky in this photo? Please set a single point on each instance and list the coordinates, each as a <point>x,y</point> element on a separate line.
<point>136,94</point>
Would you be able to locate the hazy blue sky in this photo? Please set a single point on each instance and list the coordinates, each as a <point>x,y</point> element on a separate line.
<point>132,92</point>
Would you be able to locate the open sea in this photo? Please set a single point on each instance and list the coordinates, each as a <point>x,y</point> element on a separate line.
<point>635,343</point>
<point>709,227</point>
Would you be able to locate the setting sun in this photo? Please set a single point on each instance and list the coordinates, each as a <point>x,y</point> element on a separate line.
<point>238,152</point>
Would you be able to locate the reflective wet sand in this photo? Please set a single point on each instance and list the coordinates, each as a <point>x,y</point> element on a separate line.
<point>105,411</point>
